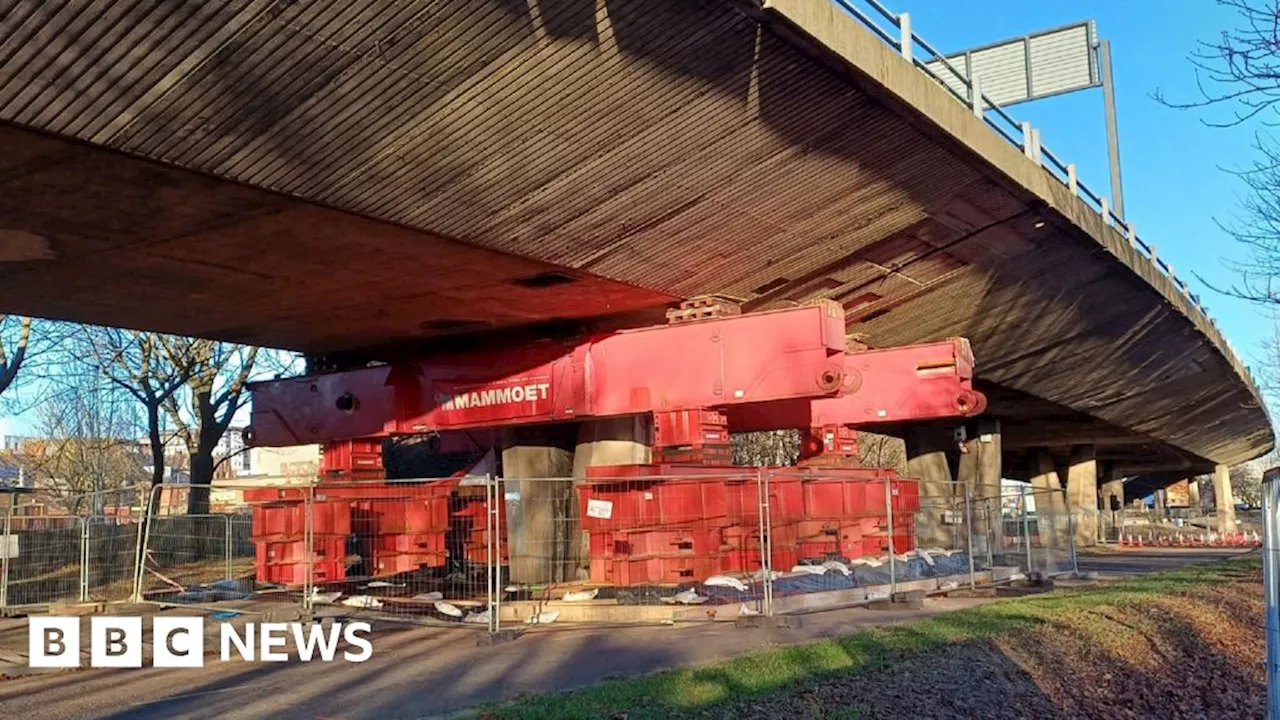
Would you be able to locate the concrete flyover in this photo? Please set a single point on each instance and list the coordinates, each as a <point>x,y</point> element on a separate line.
<point>355,179</point>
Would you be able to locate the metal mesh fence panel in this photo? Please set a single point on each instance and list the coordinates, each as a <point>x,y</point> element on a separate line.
<point>111,545</point>
<point>633,548</point>
<point>67,547</point>
<point>1031,529</point>
<point>417,548</point>
<point>842,537</point>
<point>247,539</point>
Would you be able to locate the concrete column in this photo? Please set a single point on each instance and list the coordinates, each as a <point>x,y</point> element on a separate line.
<point>624,440</point>
<point>980,471</point>
<point>1224,500</point>
<point>1082,494</point>
<point>542,527</point>
<point>1112,487</point>
<point>928,447</point>
<point>1193,495</point>
<point>1050,502</point>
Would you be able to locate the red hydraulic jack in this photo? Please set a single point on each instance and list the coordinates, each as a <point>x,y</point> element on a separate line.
<point>708,372</point>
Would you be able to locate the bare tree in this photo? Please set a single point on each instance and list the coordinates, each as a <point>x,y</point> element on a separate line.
<point>882,451</point>
<point>1246,483</point>
<point>15,338</point>
<point>1239,72</point>
<point>137,363</point>
<point>216,375</point>
<point>86,444</point>
<point>31,351</point>
<point>766,447</point>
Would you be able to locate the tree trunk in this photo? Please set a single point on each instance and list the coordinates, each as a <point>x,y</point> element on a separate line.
<point>157,444</point>
<point>201,478</point>
<point>208,433</point>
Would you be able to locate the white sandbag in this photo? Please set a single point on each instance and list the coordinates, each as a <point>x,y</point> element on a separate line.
<point>581,595</point>
<point>432,596</point>
<point>381,584</point>
<point>363,601</point>
<point>319,598</point>
<point>810,569</point>
<point>687,597</point>
<point>449,609</point>
<point>542,618</point>
<point>837,566</point>
<point>725,581</point>
<point>479,618</point>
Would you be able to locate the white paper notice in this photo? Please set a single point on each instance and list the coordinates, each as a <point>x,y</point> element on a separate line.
<point>602,509</point>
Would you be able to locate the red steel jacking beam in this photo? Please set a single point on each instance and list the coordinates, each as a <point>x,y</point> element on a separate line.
<point>797,353</point>
<point>929,381</point>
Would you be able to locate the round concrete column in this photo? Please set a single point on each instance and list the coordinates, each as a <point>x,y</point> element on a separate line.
<point>1223,499</point>
<point>1051,506</point>
<point>980,470</point>
<point>928,447</point>
<point>537,462</point>
<point>1082,494</point>
<point>1112,487</point>
<point>625,440</point>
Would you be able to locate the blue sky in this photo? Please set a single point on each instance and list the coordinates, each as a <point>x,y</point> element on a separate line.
<point>1173,182</point>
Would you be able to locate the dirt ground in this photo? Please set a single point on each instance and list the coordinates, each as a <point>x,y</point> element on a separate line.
<point>1196,653</point>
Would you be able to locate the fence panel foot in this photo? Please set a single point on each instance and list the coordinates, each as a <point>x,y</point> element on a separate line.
<point>906,600</point>
<point>785,622</point>
<point>499,637</point>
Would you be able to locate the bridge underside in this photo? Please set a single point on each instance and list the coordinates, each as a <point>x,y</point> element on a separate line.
<point>367,178</point>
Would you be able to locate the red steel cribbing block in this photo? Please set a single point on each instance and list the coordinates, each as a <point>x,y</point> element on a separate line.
<point>830,446</point>
<point>394,564</point>
<point>654,569</point>
<point>479,553</point>
<point>705,455</point>
<point>400,515</point>
<point>876,544</point>
<point>409,544</point>
<point>695,540</point>
<point>359,458</point>
<point>664,502</point>
<point>747,560</point>
<point>274,494</point>
<point>326,549</point>
<point>295,574</point>
<point>856,498</point>
<point>384,490</point>
<point>693,428</point>
<point>288,520</point>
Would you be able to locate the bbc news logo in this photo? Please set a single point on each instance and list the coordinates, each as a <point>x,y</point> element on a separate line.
<point>178,642</point>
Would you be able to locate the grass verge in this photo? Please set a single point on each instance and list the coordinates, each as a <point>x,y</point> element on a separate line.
<point>753,684</point>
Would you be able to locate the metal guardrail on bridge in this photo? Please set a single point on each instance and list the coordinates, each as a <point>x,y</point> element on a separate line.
<point>1019,133</point>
